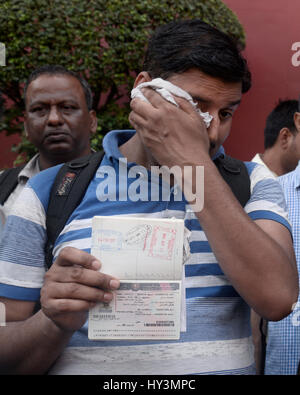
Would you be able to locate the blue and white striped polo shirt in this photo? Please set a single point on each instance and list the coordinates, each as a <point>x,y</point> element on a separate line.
<point>218,335</point>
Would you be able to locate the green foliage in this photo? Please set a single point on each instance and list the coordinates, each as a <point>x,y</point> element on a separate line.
<point>103,40</point>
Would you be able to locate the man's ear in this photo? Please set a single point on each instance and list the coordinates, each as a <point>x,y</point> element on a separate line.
<point>143,76</point>
<point>285,137</point>
<point>25,125</point>
<point>94,122</point>
<point>297,120</point>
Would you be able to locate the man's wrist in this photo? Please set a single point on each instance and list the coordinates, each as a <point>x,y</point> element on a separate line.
<point>51,328</point>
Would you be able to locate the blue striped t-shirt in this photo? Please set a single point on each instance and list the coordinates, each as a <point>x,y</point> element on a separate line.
<point>218,336</point>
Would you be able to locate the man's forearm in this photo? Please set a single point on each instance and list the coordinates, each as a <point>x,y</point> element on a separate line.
<point>257,266</point>
<point>31,346</point>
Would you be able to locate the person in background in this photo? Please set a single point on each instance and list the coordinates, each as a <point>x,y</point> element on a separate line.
<point>281,139</point>
<point>283,345</point>
<point>2,218</point>
<point>59,122</point>
<point>281,155</point>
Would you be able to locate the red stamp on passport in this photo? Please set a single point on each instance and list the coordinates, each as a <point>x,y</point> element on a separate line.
<point>162,242</point>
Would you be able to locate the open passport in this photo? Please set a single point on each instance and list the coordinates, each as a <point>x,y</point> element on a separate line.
<point>146,255</point>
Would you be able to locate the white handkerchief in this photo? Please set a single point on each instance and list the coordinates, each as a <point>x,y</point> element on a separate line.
<point>166,89</point>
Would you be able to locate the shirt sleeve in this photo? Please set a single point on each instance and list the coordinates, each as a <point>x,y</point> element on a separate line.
<point>22,258</point>
<point>267,198</point>
<point>22,249</point>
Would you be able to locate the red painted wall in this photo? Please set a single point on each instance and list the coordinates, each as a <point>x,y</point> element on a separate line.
<point>6,156</point>
<point>272,26</point>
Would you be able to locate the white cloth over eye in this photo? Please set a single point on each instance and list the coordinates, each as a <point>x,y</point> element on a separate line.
<point>166,89</point>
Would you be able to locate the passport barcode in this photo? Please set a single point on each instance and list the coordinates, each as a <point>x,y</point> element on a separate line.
<point>160,323</point>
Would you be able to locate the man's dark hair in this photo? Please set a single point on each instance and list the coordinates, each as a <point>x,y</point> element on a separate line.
<point>282,116</point>
<point>60,70</point>
<point>181,45</point>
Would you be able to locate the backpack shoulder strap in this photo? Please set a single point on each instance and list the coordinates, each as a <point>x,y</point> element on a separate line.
<point>68,190</point>
<point>235,173</point>
<point>8,182</point>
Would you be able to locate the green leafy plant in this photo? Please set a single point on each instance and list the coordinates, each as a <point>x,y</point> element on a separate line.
<point>103,40</point>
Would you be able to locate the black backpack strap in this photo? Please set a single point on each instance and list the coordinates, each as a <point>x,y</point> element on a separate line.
<point>235,173</point>
<point>68,190</point>
<point>8,182</point>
